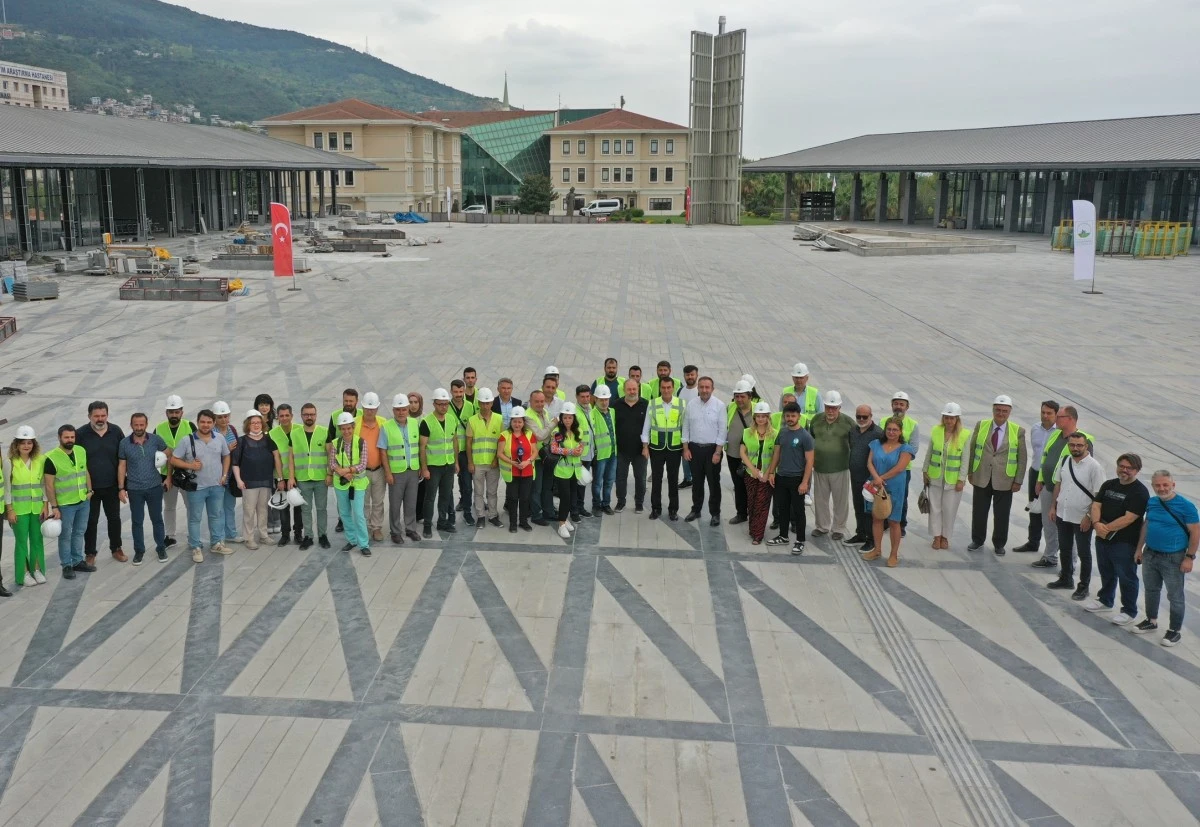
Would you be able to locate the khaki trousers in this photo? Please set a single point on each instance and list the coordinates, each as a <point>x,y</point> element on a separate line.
<point>376,497</point>
<point>834,486</point>
<point>487,481</point>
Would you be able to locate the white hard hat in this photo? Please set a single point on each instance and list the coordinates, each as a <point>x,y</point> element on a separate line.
<point>748,379</point>
<point>218,409</point>
<point>952,409</point>
<point>1003,399</point>
<point>832,399</point>
<point>867,494</point>
<point>900,395</point>
<point>174,403</point>
<point>345,418</point>
<point>799,369</point>
<point>568,408</point>
<point>602,392</point>
<point>278,501</point>
<point>484,395</point>
<point>252,413</point>
<point>26,432</point>
<point>552,369</point>
<point>762,408</point>
<point>295,497</point>
<point>743,386</point>
<point>441,395</point>
<point>400,400</point>
<point>516,411</point>
<point>51,528</point>
<point>160,460</point>
<point>370,401</point>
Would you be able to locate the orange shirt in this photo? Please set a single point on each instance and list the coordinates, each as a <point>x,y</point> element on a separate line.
<point>370,438</point>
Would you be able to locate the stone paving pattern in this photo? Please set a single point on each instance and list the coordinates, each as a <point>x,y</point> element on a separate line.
<point>648,673</point>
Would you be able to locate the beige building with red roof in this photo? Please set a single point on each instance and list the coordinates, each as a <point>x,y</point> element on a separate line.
<point>420,157</point>
<point>620,154</point>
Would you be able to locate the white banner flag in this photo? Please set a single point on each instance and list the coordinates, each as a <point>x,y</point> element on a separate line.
<point>1084,213</point>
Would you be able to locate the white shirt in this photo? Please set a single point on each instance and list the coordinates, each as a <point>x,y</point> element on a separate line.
<point>554,407</point>
<point>666,406</point>
<point>704,422</point>
<point>1073,504</point>
<point>688,395</point>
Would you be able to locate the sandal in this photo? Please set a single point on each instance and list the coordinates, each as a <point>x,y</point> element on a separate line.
<point>873,554</point>
<point>756,542</point>
<point>893,562</point>
<point>777,541</point>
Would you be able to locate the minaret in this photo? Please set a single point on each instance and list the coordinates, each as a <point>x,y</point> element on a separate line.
<point>505,105</point>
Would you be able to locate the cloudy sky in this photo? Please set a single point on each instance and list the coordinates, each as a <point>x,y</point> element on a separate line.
<point>816,72</point>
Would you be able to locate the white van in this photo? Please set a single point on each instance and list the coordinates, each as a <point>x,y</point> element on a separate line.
<point>604,206</point>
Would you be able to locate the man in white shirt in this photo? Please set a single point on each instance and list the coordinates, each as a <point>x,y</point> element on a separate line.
<point>704,433</point>
<point>1077,481</point>
<point>687,395</point>
<point>1038,435</point>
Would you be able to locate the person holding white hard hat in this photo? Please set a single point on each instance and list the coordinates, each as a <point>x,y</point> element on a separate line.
<point>482,433</point>
<point>369,429</point>
<point>68,487</point>
<point>141,459</point>
<point>517,453</point>
<point>171,430</point>
<point>310,456</point>
<point>998,462</point>
<point>291,518</point>
<point>439,463</point>
<point>256,465</point>
<point>739,415</point>
<point>831,433</point>
<point>399,443</point>
<point>756,451</point>
<point>807,395</point>
<point>348,464</point>
<point>226,430</point>
<point>206,455</point>
<point>911,435</point>
<point>567,444</point>
<point>943,473</point>
<point>25,505</point>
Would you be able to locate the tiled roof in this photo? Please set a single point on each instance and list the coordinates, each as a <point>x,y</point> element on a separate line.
<point>350,109</point>
<point>1159,141</point>
<point>462,120</point>
<point>619,119</point>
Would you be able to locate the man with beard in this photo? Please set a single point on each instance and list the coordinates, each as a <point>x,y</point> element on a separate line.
<point>281,435</point>
<point>609,378</point>
<point>138,479</point>
<point>101,441</point>
<point>309,458</point>
<point>170,432</point>
<point>349,405</point>
<point>67,487</point>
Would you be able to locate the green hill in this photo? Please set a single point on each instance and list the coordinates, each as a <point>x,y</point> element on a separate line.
<point>235,70</point>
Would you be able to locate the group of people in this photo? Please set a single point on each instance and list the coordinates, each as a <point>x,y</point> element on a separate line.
<point>782,453</point>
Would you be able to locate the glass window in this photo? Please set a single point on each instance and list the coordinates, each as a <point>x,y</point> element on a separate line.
<point>670,146</point>
<point>660,204</point>
<point>347,140</point>
<point>654,146</point>
<point>349,177</point>
<point>617,174</point>
<point>581,175</point>
<point>318,140</point>
<point>567,147</point>
<point>670,174</point>
<point>629,147</point>
<point>604,174</point>
<point>582,146</point>
<point>566,175</point>
<point>629,175</point>
<point>653,175</point>
<point>604,147</point>
<point>333,140</point>
<point>617,147</point>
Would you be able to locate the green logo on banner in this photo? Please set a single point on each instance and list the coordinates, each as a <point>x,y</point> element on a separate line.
<point>1084,234</point>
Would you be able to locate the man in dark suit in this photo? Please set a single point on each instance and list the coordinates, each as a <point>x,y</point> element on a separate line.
<point>505,401</point>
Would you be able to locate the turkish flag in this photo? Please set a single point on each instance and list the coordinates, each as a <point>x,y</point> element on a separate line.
<point>281,239</point>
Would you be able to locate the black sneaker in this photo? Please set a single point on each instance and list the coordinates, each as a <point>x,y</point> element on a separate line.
<point>1145,626</point>
<point>138,557</point>
<point>685,484</point>
<point>774,525</point>
<point>495,521</point>
<point>339,528</point>
<point>1026,547</point>
<point>738,519</point>
<point>347,547</point>
<point>323,541</point>
<point>306,543</point>
<point>525,526</point>
<point>449,528</point>
<point>479,523</point>
<point>68,573</point>
<point>620,506</point>
<point>85,567</point>
<point>1171,637</point>
<point>856,540</point>
<point>366,551</point>
<point>458,506</point>
<point>427,533</point>
<point>654,515</point>
<point>168,542</point>
<point>468,518</point>
<point>869,545</point>
<point>974,546</point>
<point>512,529</point>
<point>797,547</point>
<point>585,513</point>
<point>608,511</point>
<point>541,522</point>
<point>999,551</point>
<point>162,555</point>
<point>283,540</point>
<point>777,541</point>
<point>1061,583</point>
<point>637,509</point>
<point>1043,564</point>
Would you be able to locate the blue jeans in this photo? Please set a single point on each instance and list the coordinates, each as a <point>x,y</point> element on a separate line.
<point>353,515</point>
<point>230,502</point>
<point>604,475</point>
<point>1159,569</point>
<point>211,498</point>
<point>1114,559</point>
<point>70,542</point>
<point>139,501</point>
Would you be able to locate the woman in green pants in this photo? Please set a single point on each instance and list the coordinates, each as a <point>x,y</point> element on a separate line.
<point>25,505</point>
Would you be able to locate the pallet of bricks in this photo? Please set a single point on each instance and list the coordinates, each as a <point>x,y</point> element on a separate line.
<point>27,290</point>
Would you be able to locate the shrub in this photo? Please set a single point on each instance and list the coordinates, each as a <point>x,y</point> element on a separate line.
<point>668,221</point>
<point>761,212</point>
<point>638,213</point>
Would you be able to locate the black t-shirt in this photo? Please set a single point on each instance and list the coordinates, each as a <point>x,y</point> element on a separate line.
<point>255,458</point>
<point>1116,499</point>
<point>101,453</point>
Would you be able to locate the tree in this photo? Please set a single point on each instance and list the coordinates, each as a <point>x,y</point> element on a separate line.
<point>536,195</point>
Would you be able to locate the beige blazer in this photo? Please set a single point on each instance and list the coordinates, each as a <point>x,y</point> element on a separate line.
<point>993,464</point>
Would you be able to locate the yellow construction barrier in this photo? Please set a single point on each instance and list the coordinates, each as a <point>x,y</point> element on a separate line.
<point>1123,237</point>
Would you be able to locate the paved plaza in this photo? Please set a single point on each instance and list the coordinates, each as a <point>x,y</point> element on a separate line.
<point>651,673</point>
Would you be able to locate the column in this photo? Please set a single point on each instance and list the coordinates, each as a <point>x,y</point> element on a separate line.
<point>1054,196</point>
<point>308,194</point>
<point>881,199</point>
<point>1012,196</point>
<point>974,200</point>
<point>788,177</point>
<point>856,198</point>
<point>172,206</point>
<point>908,197</point>
<point>333,191</point>
<point>941,195</point>
<point>143,228</point>
<point>321,194</point>
<point>1100,196</point>
<point>1150,198</point>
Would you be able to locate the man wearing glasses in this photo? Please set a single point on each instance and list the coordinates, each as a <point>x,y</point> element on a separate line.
<point>1066,422</point>
<point>1117,515</point>
<point>866,430</point>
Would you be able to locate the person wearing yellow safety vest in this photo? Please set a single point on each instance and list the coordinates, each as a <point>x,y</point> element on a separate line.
<point>399,443</point>
<point>662,444</point>
<point>552,373</point>
<point>806,393</point>
<point>25,505</point>
<point>459,414</point>
<point>281,435</point>
<point>1039,435</point>
<point>911,434</point>
<point>635,374</point>
<point>943,473</point>
<point>483,430</point>
<point>310,459</point>
<point>610,378</point>
<point>756,450</point>
<point>348,467</point>
<point>604,450</point>
<point>583,416</point>
<point>739,415</point>
<point>566,443</point>
<point>517,453</point>
<point>349,405</point>
<point>68,487</point>
<point>998,462</point>
<point>439,463</point>
<point>1055,450</point>
<point>173,429</point>
<point>652,390</point>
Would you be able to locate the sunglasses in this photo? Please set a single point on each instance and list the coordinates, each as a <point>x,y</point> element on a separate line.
<point>861,418</point>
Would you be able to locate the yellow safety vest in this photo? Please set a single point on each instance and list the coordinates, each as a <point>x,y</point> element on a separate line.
<point>27,492</point>
<point>402,453</point>
<point>440,448</point>
<point>907,425</point>
<point>604,438</point>
<point>1063,450</point>
<point>361,480</point>
<point>666,427</point>
<point>953,453</point>
<point>312,461</point>
<point>506,438</point>
<point>1014,447</point>
<point>759,450</point>
<point>172,439</point>
<point>283,442</point>
<point>70,475</point>
<point>569,466</point>
<point>483,438</point>
<point>811,403</point>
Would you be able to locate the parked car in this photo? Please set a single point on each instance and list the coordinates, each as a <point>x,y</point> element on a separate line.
<point>477,208</point>
<point>603,206</point>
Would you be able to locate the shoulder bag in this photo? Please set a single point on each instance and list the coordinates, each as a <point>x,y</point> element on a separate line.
<point>1187,534</point>
<point>1078,484</point>
<point>185,478</point>
<point>881,507</point>
<point>231,482</point>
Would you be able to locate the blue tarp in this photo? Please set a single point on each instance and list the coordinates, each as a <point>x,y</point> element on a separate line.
<point>410,218</point>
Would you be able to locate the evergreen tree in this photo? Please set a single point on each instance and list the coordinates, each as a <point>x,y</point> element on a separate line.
<point>536,195</point>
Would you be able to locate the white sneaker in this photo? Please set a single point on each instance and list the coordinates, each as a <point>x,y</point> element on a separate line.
<point>221,548</point>
<point>197,555</point>
<point>237,539</point>
<point>570,526</point>
<point>38,577</point>
<point>564,532</point>
<point>1122,619</point>
<point>1096,606</point>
